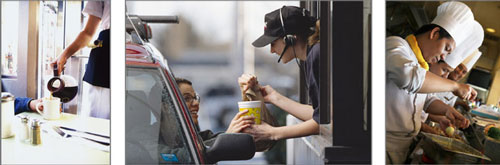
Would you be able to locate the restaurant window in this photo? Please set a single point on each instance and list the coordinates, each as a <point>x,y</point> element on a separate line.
<point>51,32</point>
<point>154,126</point>
<point>10,26</point>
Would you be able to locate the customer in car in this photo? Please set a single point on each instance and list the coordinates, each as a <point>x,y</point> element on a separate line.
<point>192,99</point>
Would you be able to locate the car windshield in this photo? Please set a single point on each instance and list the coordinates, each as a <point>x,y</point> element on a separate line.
<point>154,132</point>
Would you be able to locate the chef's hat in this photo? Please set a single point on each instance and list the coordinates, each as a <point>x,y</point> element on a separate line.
<point>472,59</point>
<point>474,38</point>
<point>452,16</point>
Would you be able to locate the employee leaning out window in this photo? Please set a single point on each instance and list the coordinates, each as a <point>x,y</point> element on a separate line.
<point>96,85</point>
<point>290,31</point>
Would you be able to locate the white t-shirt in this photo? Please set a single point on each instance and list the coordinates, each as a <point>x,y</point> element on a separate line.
<point>99,9</point>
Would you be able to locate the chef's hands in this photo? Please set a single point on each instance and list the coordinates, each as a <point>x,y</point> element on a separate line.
<point>262,131</point>
<point>457,119</point>
<point>240,122</point>
<point>444,123</point>
<point>33,103</point>
<point>465,91</point>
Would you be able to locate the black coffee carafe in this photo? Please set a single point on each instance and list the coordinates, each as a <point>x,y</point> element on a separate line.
<point>62,86</point>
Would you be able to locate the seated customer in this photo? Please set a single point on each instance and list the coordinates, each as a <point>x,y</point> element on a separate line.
<point>192,99</point>
<point>24,104</point>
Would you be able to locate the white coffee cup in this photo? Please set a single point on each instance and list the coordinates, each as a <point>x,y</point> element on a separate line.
<point>51,108</point>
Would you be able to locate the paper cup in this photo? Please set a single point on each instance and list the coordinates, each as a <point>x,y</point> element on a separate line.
<point>253,107</point>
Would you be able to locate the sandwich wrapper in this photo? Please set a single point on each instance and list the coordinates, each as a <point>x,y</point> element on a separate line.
<point>254,94</point>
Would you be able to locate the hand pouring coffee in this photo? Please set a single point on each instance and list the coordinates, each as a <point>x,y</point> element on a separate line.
<point>63,86</point>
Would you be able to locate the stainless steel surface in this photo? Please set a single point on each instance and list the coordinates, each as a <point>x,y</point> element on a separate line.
<point>448,150</point>
<point>66,135</point>
<point>90,133</point>
<point>6,97</point>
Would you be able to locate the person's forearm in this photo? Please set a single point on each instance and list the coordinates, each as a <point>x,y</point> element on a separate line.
<point>84,37</point>
<point>309,127</point>
<point>437,108</point>
<point>301,111</point>
<point>81,41</point>
<point>434,84</point>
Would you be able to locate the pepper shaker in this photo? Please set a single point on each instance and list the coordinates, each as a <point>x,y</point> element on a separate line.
<point>35,132</point>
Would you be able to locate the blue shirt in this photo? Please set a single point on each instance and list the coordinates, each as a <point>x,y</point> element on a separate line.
<point>312,78</point>
<point>21,104</point>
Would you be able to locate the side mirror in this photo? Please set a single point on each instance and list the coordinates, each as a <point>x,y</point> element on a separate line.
<point>231,146</point>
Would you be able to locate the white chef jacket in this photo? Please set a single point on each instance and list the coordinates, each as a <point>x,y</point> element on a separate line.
<point>404,77</point>
<point>447,97</point>
<point>99,9</point>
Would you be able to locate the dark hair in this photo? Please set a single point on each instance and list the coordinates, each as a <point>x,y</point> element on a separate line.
<point>429,27</point>
<point>179,81</point>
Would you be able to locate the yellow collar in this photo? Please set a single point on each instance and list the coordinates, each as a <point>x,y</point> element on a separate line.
<point>412,40</point>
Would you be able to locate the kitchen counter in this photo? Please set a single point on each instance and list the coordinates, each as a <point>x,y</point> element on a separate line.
<point>57,150</point>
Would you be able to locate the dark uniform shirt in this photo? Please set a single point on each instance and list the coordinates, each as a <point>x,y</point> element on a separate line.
<point>312,78</point>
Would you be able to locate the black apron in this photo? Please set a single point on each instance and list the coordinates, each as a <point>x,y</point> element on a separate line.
<point>98,66</point>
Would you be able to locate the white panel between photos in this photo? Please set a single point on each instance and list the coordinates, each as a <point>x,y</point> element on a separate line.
<point>118,82</point>
<point>378,82</point>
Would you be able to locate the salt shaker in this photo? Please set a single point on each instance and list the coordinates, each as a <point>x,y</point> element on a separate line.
<point>22,133</point>
<point>35,132</point>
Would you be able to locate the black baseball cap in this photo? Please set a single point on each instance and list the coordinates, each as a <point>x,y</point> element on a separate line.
<point>296,20</point>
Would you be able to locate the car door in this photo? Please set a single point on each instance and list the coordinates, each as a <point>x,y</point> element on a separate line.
<point>156,127</point>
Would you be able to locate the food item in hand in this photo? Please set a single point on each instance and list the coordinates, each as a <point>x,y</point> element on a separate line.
<point>450,131</point>
<point>254,94</point>
<point>494,132</point>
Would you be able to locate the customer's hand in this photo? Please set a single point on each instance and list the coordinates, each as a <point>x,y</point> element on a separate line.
<point>240,122</point>
<point>247,81</point>
<point>261,131</point>
<point>33,104</point>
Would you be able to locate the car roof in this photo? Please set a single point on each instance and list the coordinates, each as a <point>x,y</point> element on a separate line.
<point>136,54</point>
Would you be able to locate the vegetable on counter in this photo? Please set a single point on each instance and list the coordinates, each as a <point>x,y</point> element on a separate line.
<point>494,132</point>
<point>450,131</point>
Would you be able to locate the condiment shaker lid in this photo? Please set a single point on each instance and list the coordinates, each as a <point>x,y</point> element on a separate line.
<point>35,123</point>
<point>24,118</point>
<point>6,96</point>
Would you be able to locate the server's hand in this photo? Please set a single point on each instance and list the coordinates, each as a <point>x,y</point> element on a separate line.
<point>247,81</point>
<point>61,61</point>
<point>262,131</point>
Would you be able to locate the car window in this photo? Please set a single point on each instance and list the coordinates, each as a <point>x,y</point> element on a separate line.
<point>153,128</point>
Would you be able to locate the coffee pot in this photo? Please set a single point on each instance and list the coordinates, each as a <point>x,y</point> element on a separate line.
<point>63,86</point>
<point>7,114</point>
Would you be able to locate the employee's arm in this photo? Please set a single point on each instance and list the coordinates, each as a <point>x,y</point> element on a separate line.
<point>80,41</point>
<point>434,84</point>
<point>301,111</point>
<point>266,132</point>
